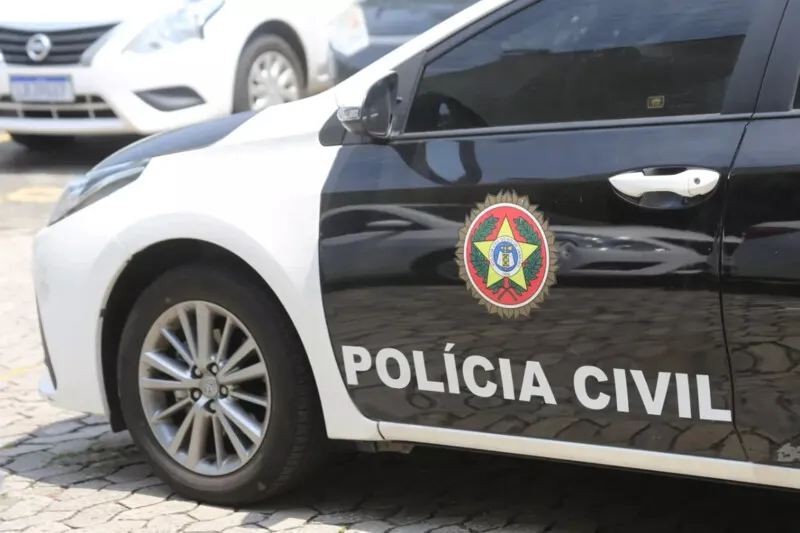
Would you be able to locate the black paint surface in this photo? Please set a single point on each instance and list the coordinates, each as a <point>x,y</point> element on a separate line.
<point>637,288</point>
<point>761,297</point>
<point>708,286</point>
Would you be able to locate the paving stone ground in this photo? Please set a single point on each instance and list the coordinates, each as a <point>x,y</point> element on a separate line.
<point>66,472</point>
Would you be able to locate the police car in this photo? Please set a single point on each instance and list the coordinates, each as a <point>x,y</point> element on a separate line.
<point>192,285</point>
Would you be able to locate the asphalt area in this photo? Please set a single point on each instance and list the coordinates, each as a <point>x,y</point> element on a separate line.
<point>62,471</point>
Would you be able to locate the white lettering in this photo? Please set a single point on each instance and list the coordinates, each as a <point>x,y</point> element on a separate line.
<point>684,396</point>
<point>704,402</point>
<point>579,382</point>
<point>535,374</point>
<point>621,390</point>
<point>470,363</point>
<point>423,383</point>
<point>653,403</point>
<point>507,379</point>
<point>353,367</point>
<point>451,370</point>
<point>500,377</point>
<point>404,379</point>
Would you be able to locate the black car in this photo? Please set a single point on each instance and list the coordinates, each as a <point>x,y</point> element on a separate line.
<point>370,29</point>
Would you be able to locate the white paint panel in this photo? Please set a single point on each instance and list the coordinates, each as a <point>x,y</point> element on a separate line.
<point>255,194</point>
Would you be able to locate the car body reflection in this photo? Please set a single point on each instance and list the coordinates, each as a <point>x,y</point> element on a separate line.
<point>630,251</point>
<point>402,241</point>
<point>753,255</point>
<point>410,242</point>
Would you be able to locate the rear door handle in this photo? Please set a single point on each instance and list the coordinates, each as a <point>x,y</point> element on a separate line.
<point>688,183</point>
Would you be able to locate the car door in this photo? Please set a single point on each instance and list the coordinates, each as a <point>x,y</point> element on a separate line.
<point>761,263</point>
<point>581,149</point>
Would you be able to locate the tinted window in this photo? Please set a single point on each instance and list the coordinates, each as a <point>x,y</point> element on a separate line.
<point>577,60</point>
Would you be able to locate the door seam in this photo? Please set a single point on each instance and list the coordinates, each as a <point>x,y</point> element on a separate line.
<point>720,294</point>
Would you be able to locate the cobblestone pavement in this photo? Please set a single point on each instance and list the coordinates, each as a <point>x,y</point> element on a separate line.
<point>62,471</point>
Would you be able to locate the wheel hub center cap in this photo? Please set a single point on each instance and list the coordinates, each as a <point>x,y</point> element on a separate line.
<point>209,387</point>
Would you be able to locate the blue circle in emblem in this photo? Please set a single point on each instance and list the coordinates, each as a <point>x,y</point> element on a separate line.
<point>505,257</point>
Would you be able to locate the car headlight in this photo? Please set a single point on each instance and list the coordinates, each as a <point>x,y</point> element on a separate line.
<point>95,185</point>
<point>176,27</point>
<point>348,32</point>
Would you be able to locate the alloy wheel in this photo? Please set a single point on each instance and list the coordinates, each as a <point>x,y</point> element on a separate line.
<point>204,388</point>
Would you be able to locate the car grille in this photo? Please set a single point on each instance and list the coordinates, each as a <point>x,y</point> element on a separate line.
<point>84,107</point>
<point>67,45</point>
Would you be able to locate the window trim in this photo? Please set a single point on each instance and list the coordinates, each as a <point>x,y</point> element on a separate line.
<point>791,113</point>
<point>751,67</point>
<point>556,127</point>
<point>739,102</point>
<point>782,75</point>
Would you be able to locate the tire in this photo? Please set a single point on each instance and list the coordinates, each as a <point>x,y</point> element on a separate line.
<point>257,46</point>
<point>42,142</point>
<point>294,442</point>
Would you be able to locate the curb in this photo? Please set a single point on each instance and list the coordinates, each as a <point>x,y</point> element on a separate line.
<point>4,137</point>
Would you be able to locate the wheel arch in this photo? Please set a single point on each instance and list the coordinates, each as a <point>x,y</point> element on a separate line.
<point>190,239</point>
<point>142,269</point>
<point>285,31</point>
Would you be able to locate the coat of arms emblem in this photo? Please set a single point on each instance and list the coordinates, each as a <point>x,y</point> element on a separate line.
<point>506,255</point>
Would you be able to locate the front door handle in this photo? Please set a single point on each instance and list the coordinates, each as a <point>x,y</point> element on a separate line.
<point>688,183</point>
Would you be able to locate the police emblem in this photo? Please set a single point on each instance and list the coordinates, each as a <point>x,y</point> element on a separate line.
<point>506,255</point>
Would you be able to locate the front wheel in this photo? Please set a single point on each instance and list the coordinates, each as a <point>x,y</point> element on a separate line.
<point>216,390</point>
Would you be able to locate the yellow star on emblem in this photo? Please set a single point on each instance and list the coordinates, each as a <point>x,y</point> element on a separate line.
<point>494,275</point>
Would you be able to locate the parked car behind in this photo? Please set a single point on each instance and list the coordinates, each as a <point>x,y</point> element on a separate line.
<point>369,29</point>
<point>93,67</point>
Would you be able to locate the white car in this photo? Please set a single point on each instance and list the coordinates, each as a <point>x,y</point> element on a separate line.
<point>94,67</point>
<point>189,286</point>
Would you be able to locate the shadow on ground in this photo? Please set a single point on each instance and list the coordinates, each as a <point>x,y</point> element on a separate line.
<point>423,491</point>
<point>75,158</point>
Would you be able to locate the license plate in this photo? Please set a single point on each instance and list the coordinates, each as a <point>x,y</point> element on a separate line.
<point>41,89</point>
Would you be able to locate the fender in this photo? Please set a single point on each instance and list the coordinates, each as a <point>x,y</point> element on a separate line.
<point>342,419</point>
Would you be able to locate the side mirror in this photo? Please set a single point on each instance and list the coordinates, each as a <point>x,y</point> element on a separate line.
<point>374,117</point>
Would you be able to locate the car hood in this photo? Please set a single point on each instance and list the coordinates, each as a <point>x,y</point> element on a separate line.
<point>57,13</point>
<point>293,119</point>
<point>287,122</point>
<point>184,139</point>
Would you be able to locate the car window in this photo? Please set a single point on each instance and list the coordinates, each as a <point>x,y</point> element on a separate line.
<point>583,60</point>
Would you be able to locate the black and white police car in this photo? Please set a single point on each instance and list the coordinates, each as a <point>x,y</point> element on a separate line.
<point>191,286</point>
